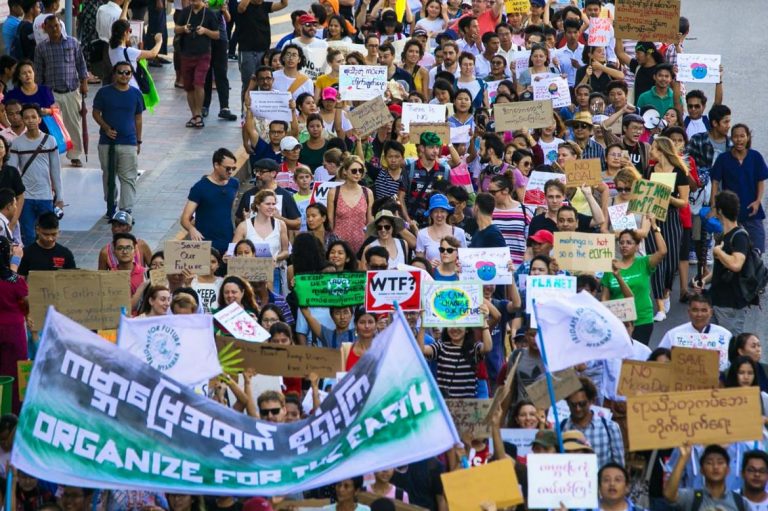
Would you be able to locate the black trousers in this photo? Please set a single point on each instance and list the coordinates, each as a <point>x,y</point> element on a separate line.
<point>218,72</point>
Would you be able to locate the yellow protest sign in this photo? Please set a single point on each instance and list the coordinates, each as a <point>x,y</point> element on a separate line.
<point>659,421</point>
<point>584,252</point>
<point>517,6</point>
<point>650,198</point>
<point>494,482</point>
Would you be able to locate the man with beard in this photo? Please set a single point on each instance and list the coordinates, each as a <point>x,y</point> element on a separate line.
<point>450,62</point>
<point>491,156</point>
<point>754,473</point>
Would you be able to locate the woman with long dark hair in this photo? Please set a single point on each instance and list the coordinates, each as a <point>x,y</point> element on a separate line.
<point>120,49</point>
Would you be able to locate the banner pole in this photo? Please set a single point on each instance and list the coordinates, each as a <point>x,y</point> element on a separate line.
<point>548,375</point>
<point>9,489</point>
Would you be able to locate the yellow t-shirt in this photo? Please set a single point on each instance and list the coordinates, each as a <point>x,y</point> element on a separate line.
<point>324,81</point>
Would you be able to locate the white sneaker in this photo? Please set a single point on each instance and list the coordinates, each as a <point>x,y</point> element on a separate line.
<point>660,316</point>
<point>667,305</point>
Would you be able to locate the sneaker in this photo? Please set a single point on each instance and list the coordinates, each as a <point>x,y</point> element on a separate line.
<point>659,317</point>
<point>667,305</point>
<point>227,115</point>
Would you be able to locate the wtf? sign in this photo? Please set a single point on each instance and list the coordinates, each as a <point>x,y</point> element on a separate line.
<point>385,287</point>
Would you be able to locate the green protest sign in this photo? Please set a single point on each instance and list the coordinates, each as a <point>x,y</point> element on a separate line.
<point>331,289</point>
<point>95,417</point>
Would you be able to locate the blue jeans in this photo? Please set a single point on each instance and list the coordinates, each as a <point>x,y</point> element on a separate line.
<point>32,209</point>
<point>756,231</point>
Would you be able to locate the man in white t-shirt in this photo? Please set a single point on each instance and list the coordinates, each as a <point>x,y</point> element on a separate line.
<point>49,7</point>
<point>450,62</point>
<point>754,473</point>
<point>700,313</point>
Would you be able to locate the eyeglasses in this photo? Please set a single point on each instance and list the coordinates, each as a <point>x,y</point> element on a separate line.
<point>693,105</point>
<point>614,155</point>
<point>356,171</point>
<point>125,72</point>
<point>444,250</point>
<point>494,192</point>
<point>265,412</point>
<point>266,78</point>
<point>756,471</point>
<point>229,169</point>
<point>623,190</point>
<point>581,126</point>
<point>580,404</point>
<point>291,55</point>
<point>124,248</point>
<point>383,227</point>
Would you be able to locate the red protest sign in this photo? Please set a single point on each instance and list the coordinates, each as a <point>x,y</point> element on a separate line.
<point>385,287</point>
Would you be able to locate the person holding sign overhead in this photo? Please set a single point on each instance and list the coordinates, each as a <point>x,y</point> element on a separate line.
<point>636,272</point>
<point>668,161</point>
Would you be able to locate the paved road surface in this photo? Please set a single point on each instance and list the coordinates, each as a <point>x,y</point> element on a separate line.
<point>175,157</point>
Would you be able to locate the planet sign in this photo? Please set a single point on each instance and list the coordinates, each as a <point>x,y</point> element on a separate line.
<point>486,270</point>
<point>698,70</point>
<point>452,304</point>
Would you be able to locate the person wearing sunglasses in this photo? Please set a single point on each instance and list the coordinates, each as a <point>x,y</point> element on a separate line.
<point>349,205</point>
<point>271,406</point>
<point>384,228</point>
<point>447,269</point>
<point>118,111</point>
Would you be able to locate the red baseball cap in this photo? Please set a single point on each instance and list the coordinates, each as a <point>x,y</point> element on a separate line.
<point>307,18</point>
<point>543,236</point>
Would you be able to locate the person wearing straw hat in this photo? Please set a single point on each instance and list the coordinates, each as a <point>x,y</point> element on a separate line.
<point>384,228</point>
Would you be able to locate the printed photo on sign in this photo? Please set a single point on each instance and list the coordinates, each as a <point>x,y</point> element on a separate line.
<point>570,479</point>
<point>387,287</point>
<point>361,83</point>
<point>554,87</point>
<point>698,68</point>
<point>486,265</point>
<point>534,190</point>
<point>452,304</point>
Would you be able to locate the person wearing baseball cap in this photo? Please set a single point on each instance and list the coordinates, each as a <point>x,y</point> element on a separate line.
<point>423,173</point>
<point>122,221</point>
<point>545,442</point>
<point>307,40</point>
<point>266,171</point>
<point>540,243</point>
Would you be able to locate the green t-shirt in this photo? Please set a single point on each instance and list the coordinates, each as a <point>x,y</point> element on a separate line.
<point>638,278</point>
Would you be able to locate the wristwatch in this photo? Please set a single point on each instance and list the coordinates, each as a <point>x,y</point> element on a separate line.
<point>657,229</point>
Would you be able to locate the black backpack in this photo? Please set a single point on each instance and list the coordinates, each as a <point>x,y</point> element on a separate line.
<point>698,498</point>
<point>753,277</point>
<point>138,74</point>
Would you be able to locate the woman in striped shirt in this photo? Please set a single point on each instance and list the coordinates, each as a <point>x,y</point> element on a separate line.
<point>510,216</point>
<point>457,353</point>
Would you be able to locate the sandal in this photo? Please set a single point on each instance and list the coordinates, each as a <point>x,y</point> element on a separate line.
<point>75,163</point>
<point>199,124</point>
<point>191,123</point>
<point>178,85</point>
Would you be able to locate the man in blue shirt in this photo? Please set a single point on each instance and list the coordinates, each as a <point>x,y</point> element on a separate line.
<point>210,201</point>
<point>117,109</point>
<point>487,234</point>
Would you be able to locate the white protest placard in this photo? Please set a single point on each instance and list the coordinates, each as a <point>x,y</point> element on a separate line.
<point>272,106</point>
<point>521,59</point>
<point>486,265</point>
<point>541,287</point>
<point>451,304</point>
<point>316,64</point>
<point>704,341</point>
<point>420,113</point>
<point>534,190</point>
<point>460,135</point>
<point>241,324</point>
<point>521,438</point>
<point>620,220</point>
<point>492,87</point>
<point>600,31</point>
<point>361,83</point>
<point>320,191</point>
<point>549,86</point>
<point>567,478</point>
<point>698,68</point>
<point>137,33</point>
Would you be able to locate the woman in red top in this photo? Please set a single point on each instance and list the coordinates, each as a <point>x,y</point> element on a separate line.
<point>365,331</point>
<point>679,138</point>
<point>13,310</point>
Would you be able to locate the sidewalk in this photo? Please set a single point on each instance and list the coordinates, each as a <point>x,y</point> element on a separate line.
<point>172,157</point>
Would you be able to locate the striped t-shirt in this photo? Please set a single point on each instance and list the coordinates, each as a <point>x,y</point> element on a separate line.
<point>455,374</point>
<point>513,224</point>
